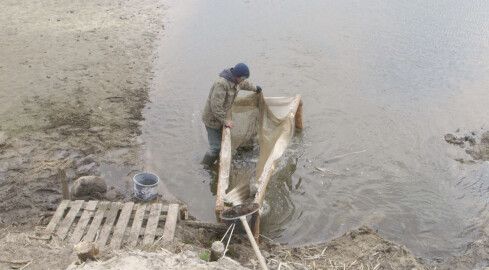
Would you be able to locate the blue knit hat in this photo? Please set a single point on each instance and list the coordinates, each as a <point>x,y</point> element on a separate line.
<point>241,71</point>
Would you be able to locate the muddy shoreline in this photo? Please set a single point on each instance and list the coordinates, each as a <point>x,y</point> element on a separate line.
<point>76,78</point>
<point>81,95</point>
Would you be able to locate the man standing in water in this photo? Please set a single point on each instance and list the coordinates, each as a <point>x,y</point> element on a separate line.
<point>221,98</point>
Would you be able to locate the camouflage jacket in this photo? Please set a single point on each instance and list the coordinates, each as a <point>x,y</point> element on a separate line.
<point>221,98</point>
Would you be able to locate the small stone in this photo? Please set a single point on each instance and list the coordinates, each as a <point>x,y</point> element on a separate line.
<point>87,250</point>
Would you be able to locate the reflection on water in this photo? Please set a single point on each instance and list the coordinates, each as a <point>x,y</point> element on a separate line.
<point>388,78</point>
<point>241,175</point>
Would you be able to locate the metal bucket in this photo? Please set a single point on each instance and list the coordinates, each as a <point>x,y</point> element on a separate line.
<point>145,186</point>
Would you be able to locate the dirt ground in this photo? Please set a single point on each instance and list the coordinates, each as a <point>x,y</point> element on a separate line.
<point>74,78</point>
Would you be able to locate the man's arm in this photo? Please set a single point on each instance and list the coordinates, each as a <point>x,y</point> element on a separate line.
<point>249,86</point>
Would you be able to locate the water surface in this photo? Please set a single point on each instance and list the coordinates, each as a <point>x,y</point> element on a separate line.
<point>382,80</point>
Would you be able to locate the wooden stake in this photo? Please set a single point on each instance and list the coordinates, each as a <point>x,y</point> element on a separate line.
<point>298,117</point>
<point>217,251</point>
<point>256,228</point>
<point>64,184</point>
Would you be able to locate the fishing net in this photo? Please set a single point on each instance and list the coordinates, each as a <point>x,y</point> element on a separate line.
<point>263,128</point>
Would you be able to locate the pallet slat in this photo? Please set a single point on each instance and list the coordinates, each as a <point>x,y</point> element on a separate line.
<point>65,225</point>
<point>57,217</point>
<point>136,226</point>
<point>120,228</point>
<point>83,222</point>
<point>109,222</point>
<point>170,223</point>
<point>164,210</point>
<point>97,220</point>
<point>149,232</point>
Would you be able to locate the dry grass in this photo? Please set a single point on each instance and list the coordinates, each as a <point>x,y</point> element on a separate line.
<point>357,250</point>
<point>314,258</point>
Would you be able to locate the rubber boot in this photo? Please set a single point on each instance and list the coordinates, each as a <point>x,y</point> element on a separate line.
<point>209,159</point>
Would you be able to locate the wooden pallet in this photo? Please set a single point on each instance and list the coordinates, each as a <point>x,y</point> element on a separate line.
<point>114,223</point>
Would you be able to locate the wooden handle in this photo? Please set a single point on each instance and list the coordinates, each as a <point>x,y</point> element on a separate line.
<point>253,243</point>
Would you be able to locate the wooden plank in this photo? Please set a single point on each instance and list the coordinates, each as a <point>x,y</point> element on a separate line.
<point>136,226</point>
<point>120,228</point>
<point>164,210</point>
<point>109,222</point>
<point>170,223</point>
<point>97,220</point>
<point>224,170</point>
<point>65,225</point>
<point>207,225</point>
<point>83,222</point>
<point>56,217</point>
<point>149,232</point>
<point>256,228</point>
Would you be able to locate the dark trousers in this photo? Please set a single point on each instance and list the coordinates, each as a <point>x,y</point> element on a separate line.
<point>215,137</point>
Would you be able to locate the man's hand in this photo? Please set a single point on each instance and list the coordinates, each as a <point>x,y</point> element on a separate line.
<point>229,124</point>
<point>258,89</point>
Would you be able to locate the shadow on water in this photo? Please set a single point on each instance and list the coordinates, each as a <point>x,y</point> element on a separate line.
<point>213,172</point>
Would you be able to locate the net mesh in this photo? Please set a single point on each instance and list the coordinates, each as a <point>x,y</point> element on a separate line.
<point>263,127</point>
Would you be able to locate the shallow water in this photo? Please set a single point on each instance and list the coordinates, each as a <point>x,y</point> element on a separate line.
<point>382,82</point>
